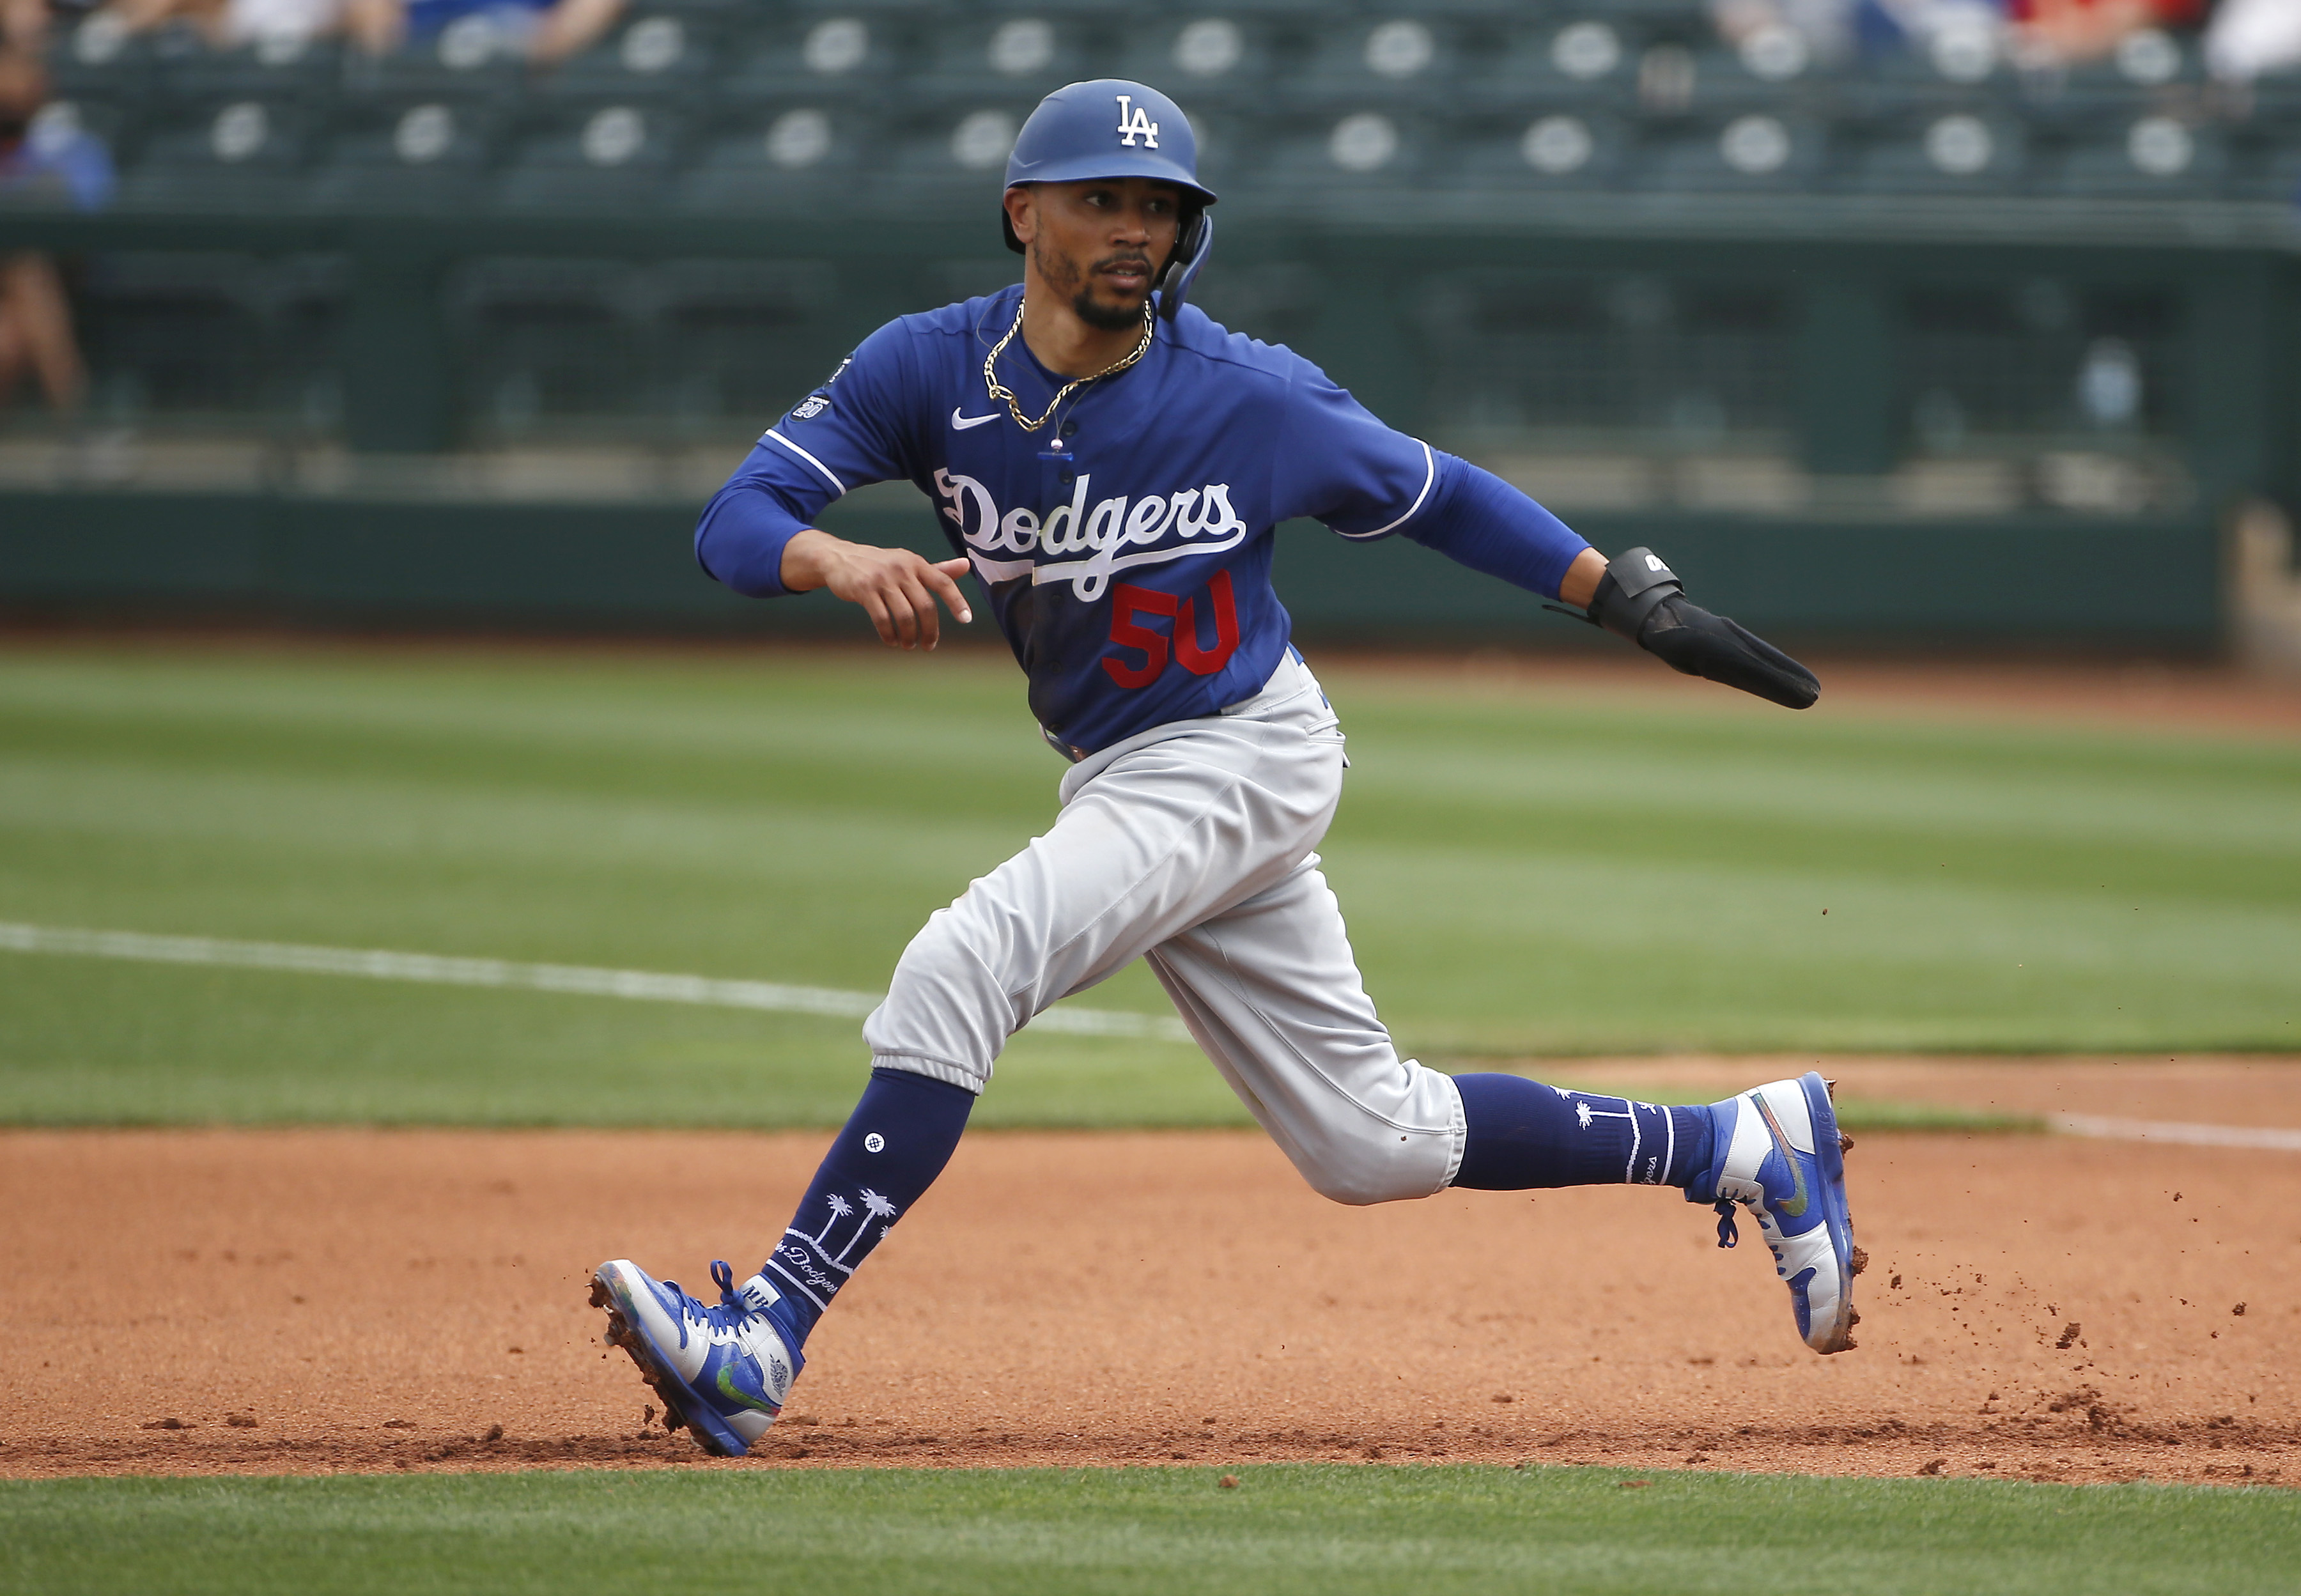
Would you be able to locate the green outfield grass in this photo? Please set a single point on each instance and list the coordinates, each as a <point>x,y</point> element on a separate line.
<point>1524,874</point>
<point>1326,1529</point>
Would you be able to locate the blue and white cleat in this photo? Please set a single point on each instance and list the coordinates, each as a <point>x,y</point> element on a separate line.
<point>723,1372</point>
<point>1780,1153</point>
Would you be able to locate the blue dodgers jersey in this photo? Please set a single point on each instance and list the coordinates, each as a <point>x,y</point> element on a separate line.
<point>1125,547</point>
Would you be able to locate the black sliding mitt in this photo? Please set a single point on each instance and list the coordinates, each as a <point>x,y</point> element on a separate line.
<point>1642,599</point>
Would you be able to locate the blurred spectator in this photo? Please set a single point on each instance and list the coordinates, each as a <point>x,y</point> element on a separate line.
<point>543,31</point>
<point>227,23</point>
<point>2073,31</point>
<point>1822,29</point>
<point>1963,33</point>
<point>28,24</point>
<point>2249,38</point>
<point>44,155</point>
<point>23,24</point>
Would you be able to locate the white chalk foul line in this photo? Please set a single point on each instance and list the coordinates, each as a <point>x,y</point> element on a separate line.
<point>647,986</point>
<point>2173,1130</point>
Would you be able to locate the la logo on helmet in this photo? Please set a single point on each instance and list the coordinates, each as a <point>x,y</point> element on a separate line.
<point>1133,121</point>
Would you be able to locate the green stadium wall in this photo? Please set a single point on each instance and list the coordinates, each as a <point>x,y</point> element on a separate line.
<point>2120,583</point>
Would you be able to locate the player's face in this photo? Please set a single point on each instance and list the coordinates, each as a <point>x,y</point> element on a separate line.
<point>1100,244</point>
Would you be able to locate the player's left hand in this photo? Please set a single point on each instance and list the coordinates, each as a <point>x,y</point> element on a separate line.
<point>1642,599</point>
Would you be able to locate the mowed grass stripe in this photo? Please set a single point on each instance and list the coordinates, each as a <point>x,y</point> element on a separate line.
<point>644,986</point>
<point>1327,1530</point>
<point>1523,874</point>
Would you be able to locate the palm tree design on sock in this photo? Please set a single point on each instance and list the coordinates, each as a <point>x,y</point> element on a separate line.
<point>875,1207</point>
<point>839,1208</point>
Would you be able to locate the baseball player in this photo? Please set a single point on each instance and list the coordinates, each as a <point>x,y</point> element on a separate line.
<point>1109,463</point>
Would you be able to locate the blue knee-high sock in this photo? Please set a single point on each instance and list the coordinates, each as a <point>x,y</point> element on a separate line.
<point>1524,1134</point>
<point>896,1142</point>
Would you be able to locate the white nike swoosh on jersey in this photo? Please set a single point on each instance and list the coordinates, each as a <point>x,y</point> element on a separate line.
<point>961,423</point>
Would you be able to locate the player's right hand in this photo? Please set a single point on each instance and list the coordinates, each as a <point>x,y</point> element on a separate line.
<point>896,587</point>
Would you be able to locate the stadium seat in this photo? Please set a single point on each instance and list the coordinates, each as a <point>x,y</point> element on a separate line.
<point>741,340</point>
<point>841,59</point>
<point>1089,11</point>
<point>288,71</point>
<point>801,160</point>
<point>459,65</point>
<point>1955,152</point>
<point>2153,156</point>
<point>1773,72</point>
<point>1208,60</point>
<point>951,159</point>
<point>1553,151</point>
<point>2150,71</point>
<point>2272,104</point>
<point>414,157</point>
<point>1686,20</point>
<point>719,16</point>
<point>899,11</point>
<point>2270,172</point>
<point>1230,148</point>
<point>1359,151</point>
<point>544,339</point>
<point>612,160</point>
<point>1398,62</point>
<point>238,157</point>
<point>1754,152</point>
<point>1475,13</point>
<point>100,60</point>
<point>1580,60</point>
<point>654,55</point>
<point>1962,69</point>
<point>1301,13</point>
<point>209,333</point>
<point>1000,58</point>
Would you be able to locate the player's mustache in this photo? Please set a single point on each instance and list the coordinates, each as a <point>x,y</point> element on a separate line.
<point>1141,262</point>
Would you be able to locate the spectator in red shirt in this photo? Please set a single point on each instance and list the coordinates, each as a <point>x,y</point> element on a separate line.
<point>2073,31</point>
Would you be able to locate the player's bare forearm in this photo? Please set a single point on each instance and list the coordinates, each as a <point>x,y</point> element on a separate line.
<point>1579,585</point>
<point>896,587</point>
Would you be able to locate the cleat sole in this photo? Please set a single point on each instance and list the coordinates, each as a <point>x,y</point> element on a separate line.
<point>1832,1158</point>
<point>667,1386</point>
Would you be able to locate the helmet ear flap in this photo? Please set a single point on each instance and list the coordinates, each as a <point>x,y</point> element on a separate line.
<point>1192,245</point>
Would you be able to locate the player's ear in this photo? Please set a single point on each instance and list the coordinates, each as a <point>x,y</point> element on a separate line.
<point>1022,212</point>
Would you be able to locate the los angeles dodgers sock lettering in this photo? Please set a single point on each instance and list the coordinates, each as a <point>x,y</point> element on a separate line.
<point>1523,1134</point>
<point>895,1143</point>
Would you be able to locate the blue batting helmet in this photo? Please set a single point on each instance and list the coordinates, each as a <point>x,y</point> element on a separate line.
<point>1110,127</point>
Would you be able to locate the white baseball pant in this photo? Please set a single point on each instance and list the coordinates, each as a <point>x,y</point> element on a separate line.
<point>1190,845</point>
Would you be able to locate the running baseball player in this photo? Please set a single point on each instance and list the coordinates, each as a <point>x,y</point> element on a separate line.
<point>1108,464</point>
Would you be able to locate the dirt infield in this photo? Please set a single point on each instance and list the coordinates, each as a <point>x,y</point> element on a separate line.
<point>314,1301</point>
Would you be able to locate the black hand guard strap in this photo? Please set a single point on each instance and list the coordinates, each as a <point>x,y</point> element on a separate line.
<point>1634,586</point>
<point>1641,598</point>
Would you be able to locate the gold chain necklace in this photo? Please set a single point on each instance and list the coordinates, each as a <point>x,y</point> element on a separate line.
<point>999,389</point>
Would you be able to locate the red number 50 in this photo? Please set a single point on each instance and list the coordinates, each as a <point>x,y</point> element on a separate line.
<point>1127,601</point>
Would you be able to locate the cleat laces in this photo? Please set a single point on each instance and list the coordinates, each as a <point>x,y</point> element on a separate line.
<point>730,1313</point>
<point>732,1310</point>
<point>1728,1235</point>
